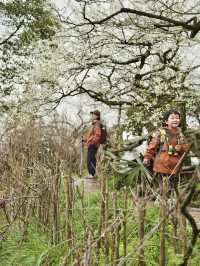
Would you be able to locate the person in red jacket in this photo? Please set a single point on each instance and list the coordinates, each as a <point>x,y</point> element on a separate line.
<point>166,146</point>
<point>92,141</point>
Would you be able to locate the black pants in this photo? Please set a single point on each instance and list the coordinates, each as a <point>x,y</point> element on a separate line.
<point>172,179</point>
<point>91,159</point>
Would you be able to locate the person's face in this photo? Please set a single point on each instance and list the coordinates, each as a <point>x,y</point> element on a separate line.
<point>94,118</point>
<point>173,121</point>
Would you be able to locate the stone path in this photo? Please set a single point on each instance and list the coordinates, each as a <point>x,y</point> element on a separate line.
<point>88,184</point>
<point>195,212</point>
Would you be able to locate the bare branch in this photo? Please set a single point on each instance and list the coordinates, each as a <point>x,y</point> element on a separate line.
<point>194,28</point>
<point>12,34</point>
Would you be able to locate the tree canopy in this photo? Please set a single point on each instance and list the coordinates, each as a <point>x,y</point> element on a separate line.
<point>25,25</point>
<point>133,55</point>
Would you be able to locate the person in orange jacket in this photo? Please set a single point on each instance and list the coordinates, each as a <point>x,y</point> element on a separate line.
<point>92,141</point>
<point>166,146</point>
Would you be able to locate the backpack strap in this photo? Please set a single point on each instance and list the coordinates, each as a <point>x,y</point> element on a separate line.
<point>180,137</point>
<point>163,138</point>
<point>160,134</point>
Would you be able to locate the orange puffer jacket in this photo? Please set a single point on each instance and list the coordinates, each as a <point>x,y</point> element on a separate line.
<point>158,152</point>
<point>94,135</point>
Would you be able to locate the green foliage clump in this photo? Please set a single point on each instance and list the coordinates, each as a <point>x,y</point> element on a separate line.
<point>34,18</point>
<point>15,252</point>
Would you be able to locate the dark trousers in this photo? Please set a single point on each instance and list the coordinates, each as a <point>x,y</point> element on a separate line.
<point>170,182</point>
<point>91,159</point>
<point>172,179</point>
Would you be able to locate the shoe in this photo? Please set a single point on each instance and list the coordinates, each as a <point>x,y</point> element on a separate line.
<point>90,177</point>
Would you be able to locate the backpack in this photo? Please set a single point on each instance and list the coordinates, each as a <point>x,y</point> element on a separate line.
<point>103,139</point>
<point>159,134</point>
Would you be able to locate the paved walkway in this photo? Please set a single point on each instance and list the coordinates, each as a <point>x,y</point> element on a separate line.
<point>88,184</point>
<point>195,212</point>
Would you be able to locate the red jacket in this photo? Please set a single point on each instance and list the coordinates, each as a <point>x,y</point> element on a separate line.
<point>162,161</point>
<point>94,135</point>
